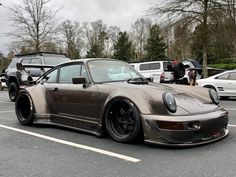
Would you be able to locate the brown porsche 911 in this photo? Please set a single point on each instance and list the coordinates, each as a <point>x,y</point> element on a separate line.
<point>107,95</point>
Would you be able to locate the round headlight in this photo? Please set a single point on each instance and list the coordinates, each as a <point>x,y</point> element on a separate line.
<point>214,96</point>
<point>169,102</point>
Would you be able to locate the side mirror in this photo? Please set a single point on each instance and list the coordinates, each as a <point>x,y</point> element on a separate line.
<point>80,80</point>
<point>19,67</point>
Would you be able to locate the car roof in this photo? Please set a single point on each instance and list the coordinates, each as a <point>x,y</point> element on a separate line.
<point>86,60</point>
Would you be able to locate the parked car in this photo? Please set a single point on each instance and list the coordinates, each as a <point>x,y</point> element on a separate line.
<point>224,83</point>
<point>191,65</point>
<point>35,63</point>
<point>160,71</point>
<point>107,95</point>
<point>197,67</point>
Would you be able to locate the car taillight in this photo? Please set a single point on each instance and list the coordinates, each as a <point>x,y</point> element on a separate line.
<point>162,77</point>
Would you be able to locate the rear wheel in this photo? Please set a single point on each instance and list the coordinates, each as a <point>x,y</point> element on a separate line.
<point>13,91</point>
<point>122,122</point>
<point>24,108</point>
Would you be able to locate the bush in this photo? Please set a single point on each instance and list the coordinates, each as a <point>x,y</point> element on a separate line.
<point>226,66</point>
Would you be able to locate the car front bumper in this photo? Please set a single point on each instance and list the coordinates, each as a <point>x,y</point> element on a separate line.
<point>185,130</point>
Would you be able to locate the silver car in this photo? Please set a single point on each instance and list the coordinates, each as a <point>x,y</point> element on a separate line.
<point>224,83</point>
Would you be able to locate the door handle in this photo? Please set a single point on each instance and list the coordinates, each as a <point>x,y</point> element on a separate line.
<point>55,89</point>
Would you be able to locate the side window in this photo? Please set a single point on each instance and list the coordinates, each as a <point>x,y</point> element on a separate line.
<point>26,61</point>
<point>51,77</point>
<point>68,72</point>
<point>232,76</point>
<point>36,61</point>
<point>167,66</point>
<point>223,76</point>
<point>144,67</point>
<point>155,66</point>
<point>150,66</point>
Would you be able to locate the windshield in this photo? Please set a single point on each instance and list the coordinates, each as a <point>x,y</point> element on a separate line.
<point>55,60</point>
<point>111,71</point>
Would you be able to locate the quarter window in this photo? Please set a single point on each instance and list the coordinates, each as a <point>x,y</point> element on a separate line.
<point>232,76</point>
<point>51,77</point>
<point>223,76</point>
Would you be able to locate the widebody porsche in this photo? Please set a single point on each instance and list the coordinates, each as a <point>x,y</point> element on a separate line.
<point>109,96</point>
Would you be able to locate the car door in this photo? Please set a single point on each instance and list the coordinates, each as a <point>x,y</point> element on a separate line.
<point>74,100</point>
<point>221,83</point>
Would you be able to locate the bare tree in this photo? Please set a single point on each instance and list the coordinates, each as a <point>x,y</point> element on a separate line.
<point>95,34</point>
<point>72,36</point>
<point>112,36</point>
<point>33,22</point>
<point>141,29</point>
<point>192,12</point>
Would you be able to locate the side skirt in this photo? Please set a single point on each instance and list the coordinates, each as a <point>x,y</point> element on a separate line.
<point>82,125</point>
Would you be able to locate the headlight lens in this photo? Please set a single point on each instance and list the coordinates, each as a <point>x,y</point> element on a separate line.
<point>169,102</point>
<point>214,96</point>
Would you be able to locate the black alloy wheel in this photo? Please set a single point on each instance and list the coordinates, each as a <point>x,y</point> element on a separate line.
<point>122,122</point>
<point>24,108</point>
<point>13,91</point>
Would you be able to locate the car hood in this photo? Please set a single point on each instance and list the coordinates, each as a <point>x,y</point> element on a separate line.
<point>189,100</point>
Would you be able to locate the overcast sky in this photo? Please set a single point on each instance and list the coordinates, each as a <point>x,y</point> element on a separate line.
<point>121,13</point>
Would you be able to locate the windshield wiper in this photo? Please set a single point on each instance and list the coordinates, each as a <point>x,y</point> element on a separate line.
<point>138,80</point>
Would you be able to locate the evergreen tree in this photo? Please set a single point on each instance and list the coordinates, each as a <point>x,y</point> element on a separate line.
<point>123,47</point>
<point>94,52</point>
<point>155,45</point>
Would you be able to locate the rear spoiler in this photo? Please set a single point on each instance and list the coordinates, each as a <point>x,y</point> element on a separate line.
<point>26,76</point>
<point>20,66</point>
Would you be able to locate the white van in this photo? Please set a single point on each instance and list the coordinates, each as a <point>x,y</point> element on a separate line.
<point>161,71</point>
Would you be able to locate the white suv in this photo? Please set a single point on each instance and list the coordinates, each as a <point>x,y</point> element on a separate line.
<point>160,71</point>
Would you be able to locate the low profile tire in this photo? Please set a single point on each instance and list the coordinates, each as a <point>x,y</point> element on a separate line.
<point>24,108</point>
<point>13,91</point>
<point>122,122</point>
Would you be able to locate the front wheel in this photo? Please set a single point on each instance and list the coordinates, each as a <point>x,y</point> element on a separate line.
<point>13,91</point>
<point>24,108</point>
<point>122,122</point>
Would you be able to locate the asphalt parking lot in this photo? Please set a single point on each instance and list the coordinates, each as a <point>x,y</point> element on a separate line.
<point>47,151</point>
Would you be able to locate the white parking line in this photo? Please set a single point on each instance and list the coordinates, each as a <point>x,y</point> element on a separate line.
<point>100,151</point>
<point>6,111</point>
<point>8,102</point>
<point>230,125</point>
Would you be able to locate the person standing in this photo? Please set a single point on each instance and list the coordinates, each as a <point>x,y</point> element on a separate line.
<point>192,77</point>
